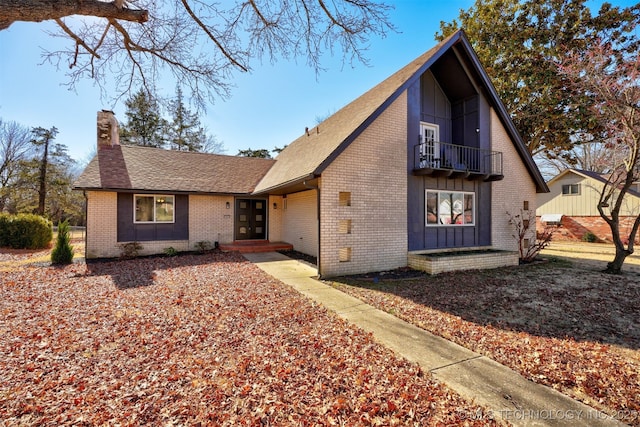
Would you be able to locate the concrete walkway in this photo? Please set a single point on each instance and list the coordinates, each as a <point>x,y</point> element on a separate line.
<point>505,393</point>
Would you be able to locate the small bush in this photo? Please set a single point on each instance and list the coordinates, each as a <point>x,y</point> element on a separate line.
<point>25,231</point>
<point>63,252</point>
<point>203,246</point>
<point>170,251</point>
<point>589,237</point>
<point>530,241</point>
<point>130,250</point>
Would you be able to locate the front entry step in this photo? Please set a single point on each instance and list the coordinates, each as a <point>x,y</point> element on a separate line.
<point>253,246</point>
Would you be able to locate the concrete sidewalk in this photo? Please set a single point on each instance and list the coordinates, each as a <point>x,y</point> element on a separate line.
<point>505,393</point>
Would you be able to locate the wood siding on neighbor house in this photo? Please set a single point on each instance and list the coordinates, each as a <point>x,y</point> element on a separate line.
<point>582,204</point>
<point>128,231</point>
<point>585,203</point>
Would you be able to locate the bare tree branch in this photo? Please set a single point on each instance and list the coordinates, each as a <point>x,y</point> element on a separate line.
<point>200,43</point>
<point>41,10</point>
<point>213,38</point>
<point>79,41</point>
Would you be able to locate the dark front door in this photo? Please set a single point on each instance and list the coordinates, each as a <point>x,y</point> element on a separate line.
<point>251,219</point>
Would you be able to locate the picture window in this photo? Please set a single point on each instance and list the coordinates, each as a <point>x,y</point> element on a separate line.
<point>449,208</point>
<point>154,209</point>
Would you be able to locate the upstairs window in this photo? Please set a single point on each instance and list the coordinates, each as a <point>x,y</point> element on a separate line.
<point>570,189</point>
<point>153,209</point>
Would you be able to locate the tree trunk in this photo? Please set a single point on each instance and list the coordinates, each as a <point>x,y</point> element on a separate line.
<point>43,10</point>
<point>615,266</point>
<point>42,179</point>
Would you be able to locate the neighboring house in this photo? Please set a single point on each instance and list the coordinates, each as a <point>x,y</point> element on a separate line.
<point>426,161</point>
<point>572,203</point>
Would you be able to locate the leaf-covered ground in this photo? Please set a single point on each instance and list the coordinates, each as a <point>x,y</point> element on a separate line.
<point>570,327</point>
<point>204,340</point>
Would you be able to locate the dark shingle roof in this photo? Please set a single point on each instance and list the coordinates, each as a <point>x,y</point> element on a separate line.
<point>307,156</point>
<point>303,157</point>
<point>133,168</point>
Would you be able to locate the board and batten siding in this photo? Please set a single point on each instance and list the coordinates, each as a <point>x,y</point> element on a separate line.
<point>585,203</point>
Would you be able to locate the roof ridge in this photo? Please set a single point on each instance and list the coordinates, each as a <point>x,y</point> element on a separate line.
<point>168,150</point>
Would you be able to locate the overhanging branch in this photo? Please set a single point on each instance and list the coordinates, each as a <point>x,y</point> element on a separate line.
<point>43,10</point>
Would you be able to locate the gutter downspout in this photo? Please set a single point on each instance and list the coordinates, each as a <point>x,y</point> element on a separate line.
<point>86,222</point>
<point>317,188</point>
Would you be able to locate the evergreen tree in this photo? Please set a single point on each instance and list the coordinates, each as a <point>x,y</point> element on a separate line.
<point>185,133</point>
<point>62,253</point>
<point>145,125</point>
<point>45,180</point>
<point>520,43</point>
<point>262,153</point>
<point>43,139</point>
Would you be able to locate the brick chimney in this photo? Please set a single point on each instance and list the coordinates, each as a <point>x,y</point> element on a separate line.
<point>108,135</point>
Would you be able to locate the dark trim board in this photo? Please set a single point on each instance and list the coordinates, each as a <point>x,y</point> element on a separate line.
<point>251,222</point>
<point>128,231</point>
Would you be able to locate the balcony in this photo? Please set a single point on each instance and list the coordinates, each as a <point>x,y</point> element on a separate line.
<point>441,159</point>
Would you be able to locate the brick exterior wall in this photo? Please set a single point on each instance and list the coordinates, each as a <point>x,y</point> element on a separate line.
<point>509,194</point>
<point>373,172</point>
<point>458,262</point>
<point>301,219</point>
<point>102,225</point>
<point>574,228</point>
<point>275,218</point>
<point>210,220</point>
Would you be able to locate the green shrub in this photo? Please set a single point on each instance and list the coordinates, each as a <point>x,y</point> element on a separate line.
<point>25,231</point>
<point>170,251</point>
<point>589,237</point>
<point>63,252</point>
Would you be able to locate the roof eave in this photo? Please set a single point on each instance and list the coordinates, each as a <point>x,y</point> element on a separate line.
<point>455,38</point>
<point>282,186</point>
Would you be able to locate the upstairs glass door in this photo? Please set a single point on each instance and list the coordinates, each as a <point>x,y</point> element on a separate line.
<point>429,145</point>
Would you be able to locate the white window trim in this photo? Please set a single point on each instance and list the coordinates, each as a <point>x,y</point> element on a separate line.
<point>426,222</point>
<point>570,193</point>
<point>435,156</point>
<point>173,219</point>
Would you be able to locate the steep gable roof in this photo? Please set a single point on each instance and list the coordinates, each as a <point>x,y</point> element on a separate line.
<point>133,168</point>
<point>600,177</point>
<point>306,157</point>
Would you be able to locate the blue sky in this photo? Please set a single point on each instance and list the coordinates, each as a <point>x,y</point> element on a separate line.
<point>269,107</point>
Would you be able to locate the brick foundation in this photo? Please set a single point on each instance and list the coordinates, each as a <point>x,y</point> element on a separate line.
<point>442,262</point>
<point>574,228</point>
